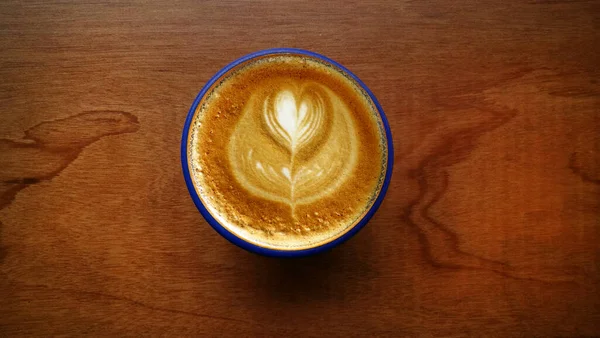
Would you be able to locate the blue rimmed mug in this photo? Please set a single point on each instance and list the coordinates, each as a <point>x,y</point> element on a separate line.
<point>241,242</point>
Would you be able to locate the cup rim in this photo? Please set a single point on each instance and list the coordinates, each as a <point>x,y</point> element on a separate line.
<point>238,240</point>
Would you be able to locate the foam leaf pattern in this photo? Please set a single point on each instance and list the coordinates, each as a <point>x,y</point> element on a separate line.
<point>294,144</point>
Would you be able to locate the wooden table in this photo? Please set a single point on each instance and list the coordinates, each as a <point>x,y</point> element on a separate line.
<point>491,226</point>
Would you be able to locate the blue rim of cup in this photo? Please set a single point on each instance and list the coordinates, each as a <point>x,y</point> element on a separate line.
<point>234,238</point>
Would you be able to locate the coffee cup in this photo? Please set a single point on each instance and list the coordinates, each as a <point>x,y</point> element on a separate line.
<point>286,153</point>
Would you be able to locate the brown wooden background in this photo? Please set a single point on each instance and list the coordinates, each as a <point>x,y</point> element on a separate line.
<point>491,226</point>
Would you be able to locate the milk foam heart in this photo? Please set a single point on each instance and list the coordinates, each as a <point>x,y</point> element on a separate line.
<point>314,151</point>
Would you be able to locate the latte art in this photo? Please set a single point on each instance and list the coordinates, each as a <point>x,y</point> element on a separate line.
<point>286,152</point>
<point>293,145</point>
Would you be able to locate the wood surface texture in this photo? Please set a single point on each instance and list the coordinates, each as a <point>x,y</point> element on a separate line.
<point>491,226</point>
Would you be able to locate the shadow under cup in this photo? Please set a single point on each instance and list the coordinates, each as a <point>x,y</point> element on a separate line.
<point>236,239</point>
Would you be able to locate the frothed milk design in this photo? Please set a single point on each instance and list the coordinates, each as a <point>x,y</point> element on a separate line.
<point>293,144</point>
<point>287,152</point>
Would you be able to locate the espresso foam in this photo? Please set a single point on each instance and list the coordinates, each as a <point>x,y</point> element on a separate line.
<point>287,152</point>
<point>294,143</point>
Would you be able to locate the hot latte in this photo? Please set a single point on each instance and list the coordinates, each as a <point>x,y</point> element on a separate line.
<point>287,152</point>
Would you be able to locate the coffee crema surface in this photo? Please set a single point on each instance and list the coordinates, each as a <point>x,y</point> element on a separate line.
<point>287,151</point>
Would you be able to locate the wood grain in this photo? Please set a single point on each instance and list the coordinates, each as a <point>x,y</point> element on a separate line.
<point>491,226</point>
